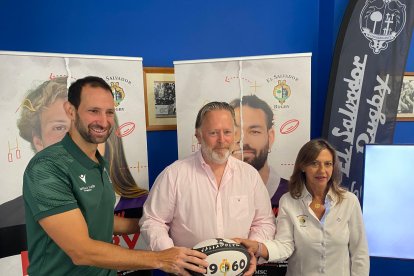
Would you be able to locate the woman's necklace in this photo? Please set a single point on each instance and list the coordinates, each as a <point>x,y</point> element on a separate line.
<point>317,205</point>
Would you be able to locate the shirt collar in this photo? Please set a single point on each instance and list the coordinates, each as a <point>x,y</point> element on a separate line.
<point>79,155</point>
<point>330,196</point>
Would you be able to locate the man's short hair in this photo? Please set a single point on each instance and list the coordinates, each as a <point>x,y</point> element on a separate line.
<point>255,102</point>
<point>75,89</point>
<point>35,102</point>
<point>210,107</point>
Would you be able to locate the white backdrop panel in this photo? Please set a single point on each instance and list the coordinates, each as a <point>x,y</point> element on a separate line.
<point>201,81</point>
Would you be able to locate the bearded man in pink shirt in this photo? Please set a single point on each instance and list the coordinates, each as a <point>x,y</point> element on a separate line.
<point>209,194</point>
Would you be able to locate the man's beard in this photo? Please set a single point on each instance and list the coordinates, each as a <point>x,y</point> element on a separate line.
<point>213,156</point>
<point>87,136</point>
<point>259,160</point>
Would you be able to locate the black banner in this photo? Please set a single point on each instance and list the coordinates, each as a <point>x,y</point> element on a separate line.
<point>365,81</point>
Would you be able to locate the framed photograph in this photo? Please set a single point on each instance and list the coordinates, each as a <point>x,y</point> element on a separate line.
<point>159,88</point>
<point>406,103</point>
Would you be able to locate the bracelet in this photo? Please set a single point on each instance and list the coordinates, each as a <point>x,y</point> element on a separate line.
<point>258,253</point>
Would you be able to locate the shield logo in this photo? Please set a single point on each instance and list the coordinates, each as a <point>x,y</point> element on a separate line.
<point>118,93</point>
<point>281,91</point>
<point>381,21</point>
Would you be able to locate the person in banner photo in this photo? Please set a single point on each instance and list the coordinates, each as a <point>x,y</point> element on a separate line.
<point>255,136</point>
<point>42,122</point>
<point>69,199</point>
<point>210,194</point>
<point>319,226</point>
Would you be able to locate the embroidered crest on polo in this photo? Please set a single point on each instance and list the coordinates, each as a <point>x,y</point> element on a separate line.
<point>382,22</point>
<point>302,220</point>
<point>87,188</point>
<point>83,177</point>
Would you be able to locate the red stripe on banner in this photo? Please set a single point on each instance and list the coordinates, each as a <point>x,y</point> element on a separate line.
<point>25,262</point>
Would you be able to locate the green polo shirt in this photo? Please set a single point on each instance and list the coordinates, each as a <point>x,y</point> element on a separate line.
<point>58,179</point>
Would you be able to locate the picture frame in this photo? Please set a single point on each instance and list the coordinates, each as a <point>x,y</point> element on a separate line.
<point>406,102</point>
<point>160,100</point>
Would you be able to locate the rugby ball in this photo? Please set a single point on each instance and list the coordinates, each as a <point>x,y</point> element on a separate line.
<point>224,257</point>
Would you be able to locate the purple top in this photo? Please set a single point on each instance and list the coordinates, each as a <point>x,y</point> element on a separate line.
<point>130,203</point>
<point>281,190</point>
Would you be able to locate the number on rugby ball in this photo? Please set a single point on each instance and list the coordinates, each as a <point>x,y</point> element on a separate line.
<point>225,257</point>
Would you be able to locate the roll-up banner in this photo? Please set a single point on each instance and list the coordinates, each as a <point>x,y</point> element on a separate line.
<point>34,87</point>
<point>273,116</point>
<point>366,79</point>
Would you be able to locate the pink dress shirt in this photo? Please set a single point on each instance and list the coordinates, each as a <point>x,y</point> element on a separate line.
<point>185,206</point>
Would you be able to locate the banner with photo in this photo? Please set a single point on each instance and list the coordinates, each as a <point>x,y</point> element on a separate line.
<point>366,79</point>
<point>34,89</point>
<point>275,93</point>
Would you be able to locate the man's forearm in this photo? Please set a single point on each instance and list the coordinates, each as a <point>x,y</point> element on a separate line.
<point>106,255</point>
<point>174,260</point>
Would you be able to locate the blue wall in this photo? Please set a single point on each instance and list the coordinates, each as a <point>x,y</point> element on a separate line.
<point>164,31</point>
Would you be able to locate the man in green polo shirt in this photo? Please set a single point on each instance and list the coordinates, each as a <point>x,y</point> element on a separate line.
<point>69,200</point>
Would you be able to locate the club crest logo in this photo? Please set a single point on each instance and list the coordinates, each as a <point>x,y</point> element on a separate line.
<point>302,220</point>
<point>118,92</point>
<point>381,21</point>
<point>224,266</point>
<point>282,91</point>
